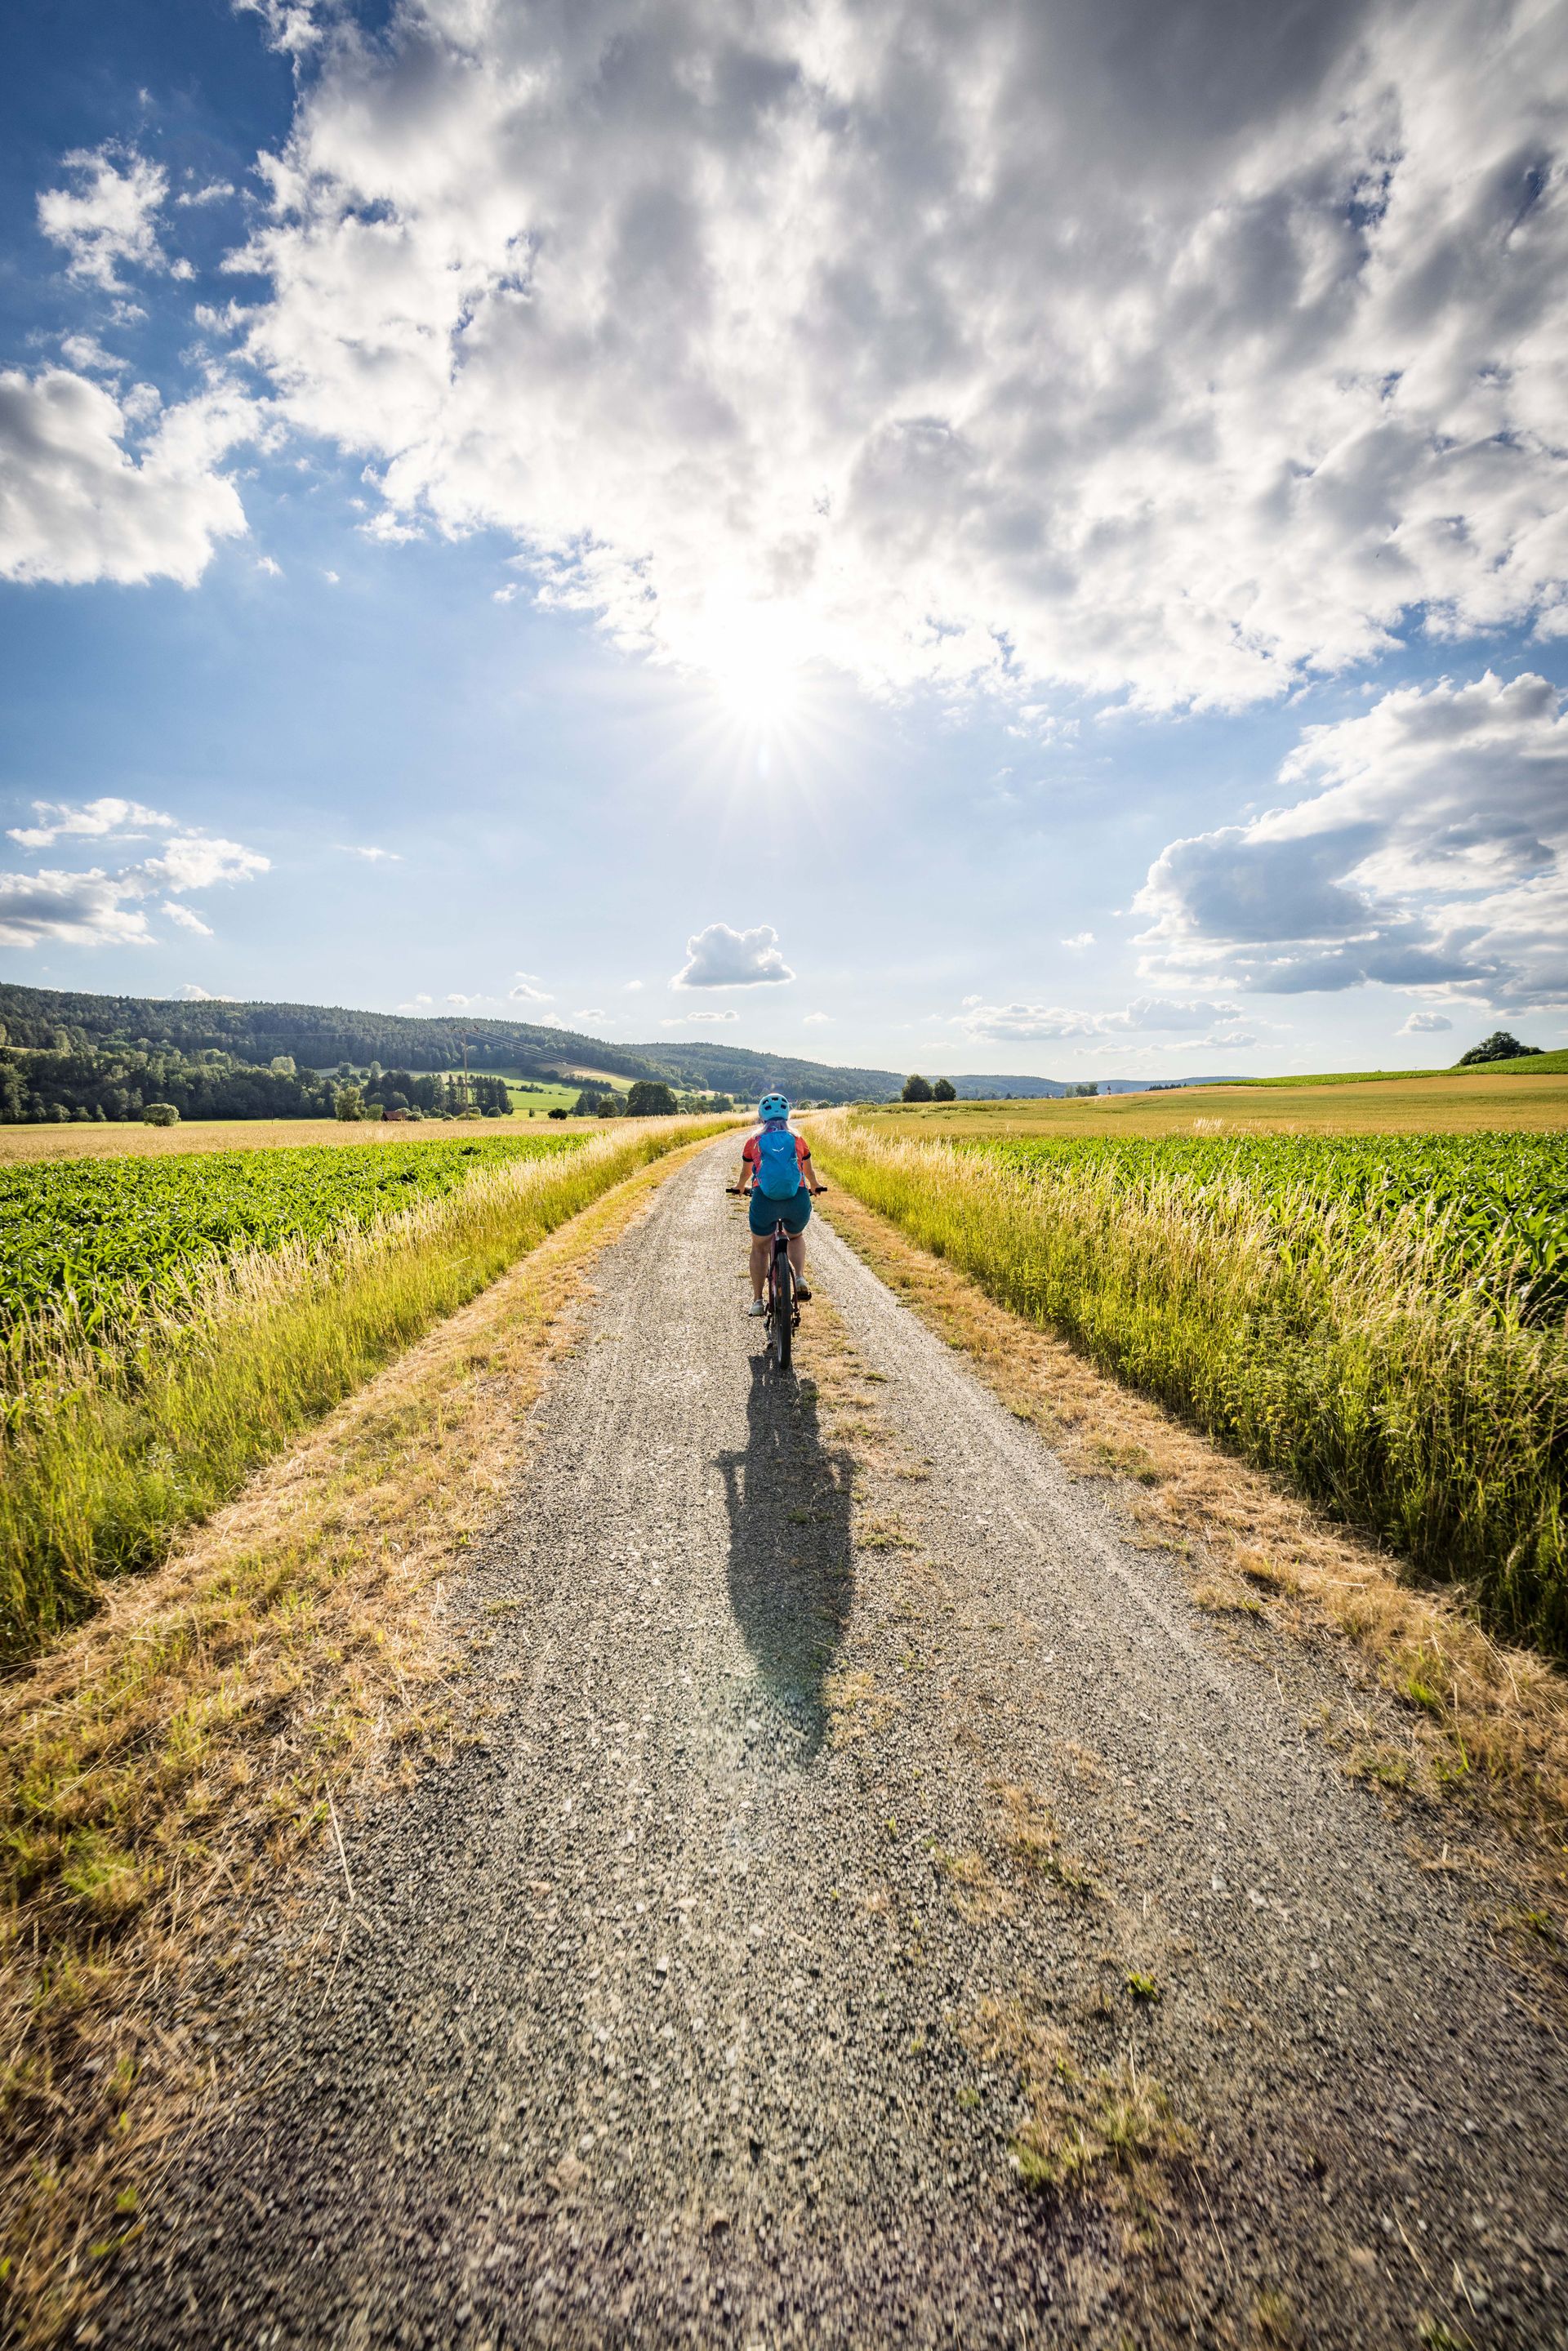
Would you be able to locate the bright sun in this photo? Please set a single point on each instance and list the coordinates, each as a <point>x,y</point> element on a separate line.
<point>752,666</point>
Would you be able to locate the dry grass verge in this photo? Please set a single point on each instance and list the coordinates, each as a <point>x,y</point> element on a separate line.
<point>194,1738</point>
<point>1489,1721</point>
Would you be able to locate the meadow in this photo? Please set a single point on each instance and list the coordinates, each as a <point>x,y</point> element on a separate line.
<point>1380,1321</point>
<point>129,1412</point>
<point>1445,1104</point>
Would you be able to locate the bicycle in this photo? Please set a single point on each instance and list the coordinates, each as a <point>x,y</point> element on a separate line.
<point>781,1317</point>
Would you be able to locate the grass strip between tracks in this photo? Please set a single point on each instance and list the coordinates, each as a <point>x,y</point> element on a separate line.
<point>1355,1372</point>
<point>1456,1719</point>
<point>107,1453</point>
<point>172,1756</point>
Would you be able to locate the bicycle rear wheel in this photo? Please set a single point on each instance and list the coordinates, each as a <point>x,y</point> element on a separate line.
<point>781,1287</point>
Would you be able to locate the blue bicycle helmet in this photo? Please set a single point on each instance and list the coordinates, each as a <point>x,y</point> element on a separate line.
<point>773,1106</point>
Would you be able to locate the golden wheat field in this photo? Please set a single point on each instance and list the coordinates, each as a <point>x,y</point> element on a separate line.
<point>134,1141</point>
<point>1445,1105</point>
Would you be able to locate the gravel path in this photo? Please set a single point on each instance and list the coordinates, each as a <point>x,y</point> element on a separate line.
<point>860,1814</point>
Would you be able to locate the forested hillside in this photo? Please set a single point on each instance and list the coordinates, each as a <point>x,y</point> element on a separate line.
<point>321,1036</point>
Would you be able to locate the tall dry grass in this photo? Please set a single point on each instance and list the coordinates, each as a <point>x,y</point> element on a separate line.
<point>1355,1368</point>
<point>107,1449</point>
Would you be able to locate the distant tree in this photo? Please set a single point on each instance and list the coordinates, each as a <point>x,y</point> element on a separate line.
<point>560,1111</point>
<point>648,1099</point>
<point>283,1065</point>
<point>1499,1047</point>
<point>348,1104</point>
<point>157,1115</point>
<point>1089,1087</point>
<point>610,1106</point>
<point>943,1091</point>
<point>916,1089</point>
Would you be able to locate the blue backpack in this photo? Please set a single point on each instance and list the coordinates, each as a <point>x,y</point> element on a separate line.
<point>778,1166</point>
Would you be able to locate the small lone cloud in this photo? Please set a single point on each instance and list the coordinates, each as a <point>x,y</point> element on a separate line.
<point>696,1020</point>
<point>1080,939</point>
<point>417,1003</point>
<point>526,989</point>
<point>818,1019</point>
<point>186,919</point>
<point>1424,1024</point>
<point>192,994</point>
<point>273,569</point>
<point>633,985</point>
<point>372,856</point>
<point>721,957</point>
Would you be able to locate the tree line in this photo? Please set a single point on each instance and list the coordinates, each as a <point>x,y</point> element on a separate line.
<point>66,1078</point>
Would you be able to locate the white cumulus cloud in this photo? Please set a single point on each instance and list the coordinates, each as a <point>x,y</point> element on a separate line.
<point>77,504</point>
<point>93,820</point>
<point>372,856</point>
<point>721,957</point>
<point>1169,349</point>
<point>1040,1023</point>
<point>86,910</point>
<point>105,219</point>
<point>526,988</point>
<point>1425,847</point>
<point>197,862</point>
<point>187,918</point>
<point>1424,1024</point>
<point>105,909</point>
<point>697,1020</point>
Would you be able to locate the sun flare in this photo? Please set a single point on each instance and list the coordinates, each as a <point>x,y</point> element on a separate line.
<point>752,665</point>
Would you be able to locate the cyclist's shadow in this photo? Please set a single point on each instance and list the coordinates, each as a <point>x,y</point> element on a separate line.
<point>792,1560</point>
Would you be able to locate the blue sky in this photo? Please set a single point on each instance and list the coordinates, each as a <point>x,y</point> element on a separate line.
<point>1031,544</point>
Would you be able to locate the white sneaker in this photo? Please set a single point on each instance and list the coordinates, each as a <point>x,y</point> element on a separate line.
<point>757,1307</point>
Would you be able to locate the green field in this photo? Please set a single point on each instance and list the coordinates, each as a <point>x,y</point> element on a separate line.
<point>540,1099</point>
<point>1492,1209</point>
<point>1528,1065</point>
<point>1379,1320</point>
<point>113,1228</point>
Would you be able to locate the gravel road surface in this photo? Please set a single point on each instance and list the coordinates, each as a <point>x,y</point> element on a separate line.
<point>863,1828</point>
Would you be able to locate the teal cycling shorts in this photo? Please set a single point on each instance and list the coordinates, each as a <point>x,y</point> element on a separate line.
<point>763,1214</point>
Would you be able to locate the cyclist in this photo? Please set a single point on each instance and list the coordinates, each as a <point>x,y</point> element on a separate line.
<point>777,1175</point>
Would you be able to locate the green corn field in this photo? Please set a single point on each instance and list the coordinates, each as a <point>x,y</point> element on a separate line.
<point>1378,1321</point>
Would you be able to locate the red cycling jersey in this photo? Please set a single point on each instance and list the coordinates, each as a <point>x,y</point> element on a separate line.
<point>802,1153</point>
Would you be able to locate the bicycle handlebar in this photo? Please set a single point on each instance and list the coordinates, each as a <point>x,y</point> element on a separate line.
<point>737,1194</point>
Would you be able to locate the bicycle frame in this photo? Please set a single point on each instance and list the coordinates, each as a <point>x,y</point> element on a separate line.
<point>783,1314</point>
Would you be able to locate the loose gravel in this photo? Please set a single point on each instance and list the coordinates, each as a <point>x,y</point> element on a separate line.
<point>851,1806</point>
